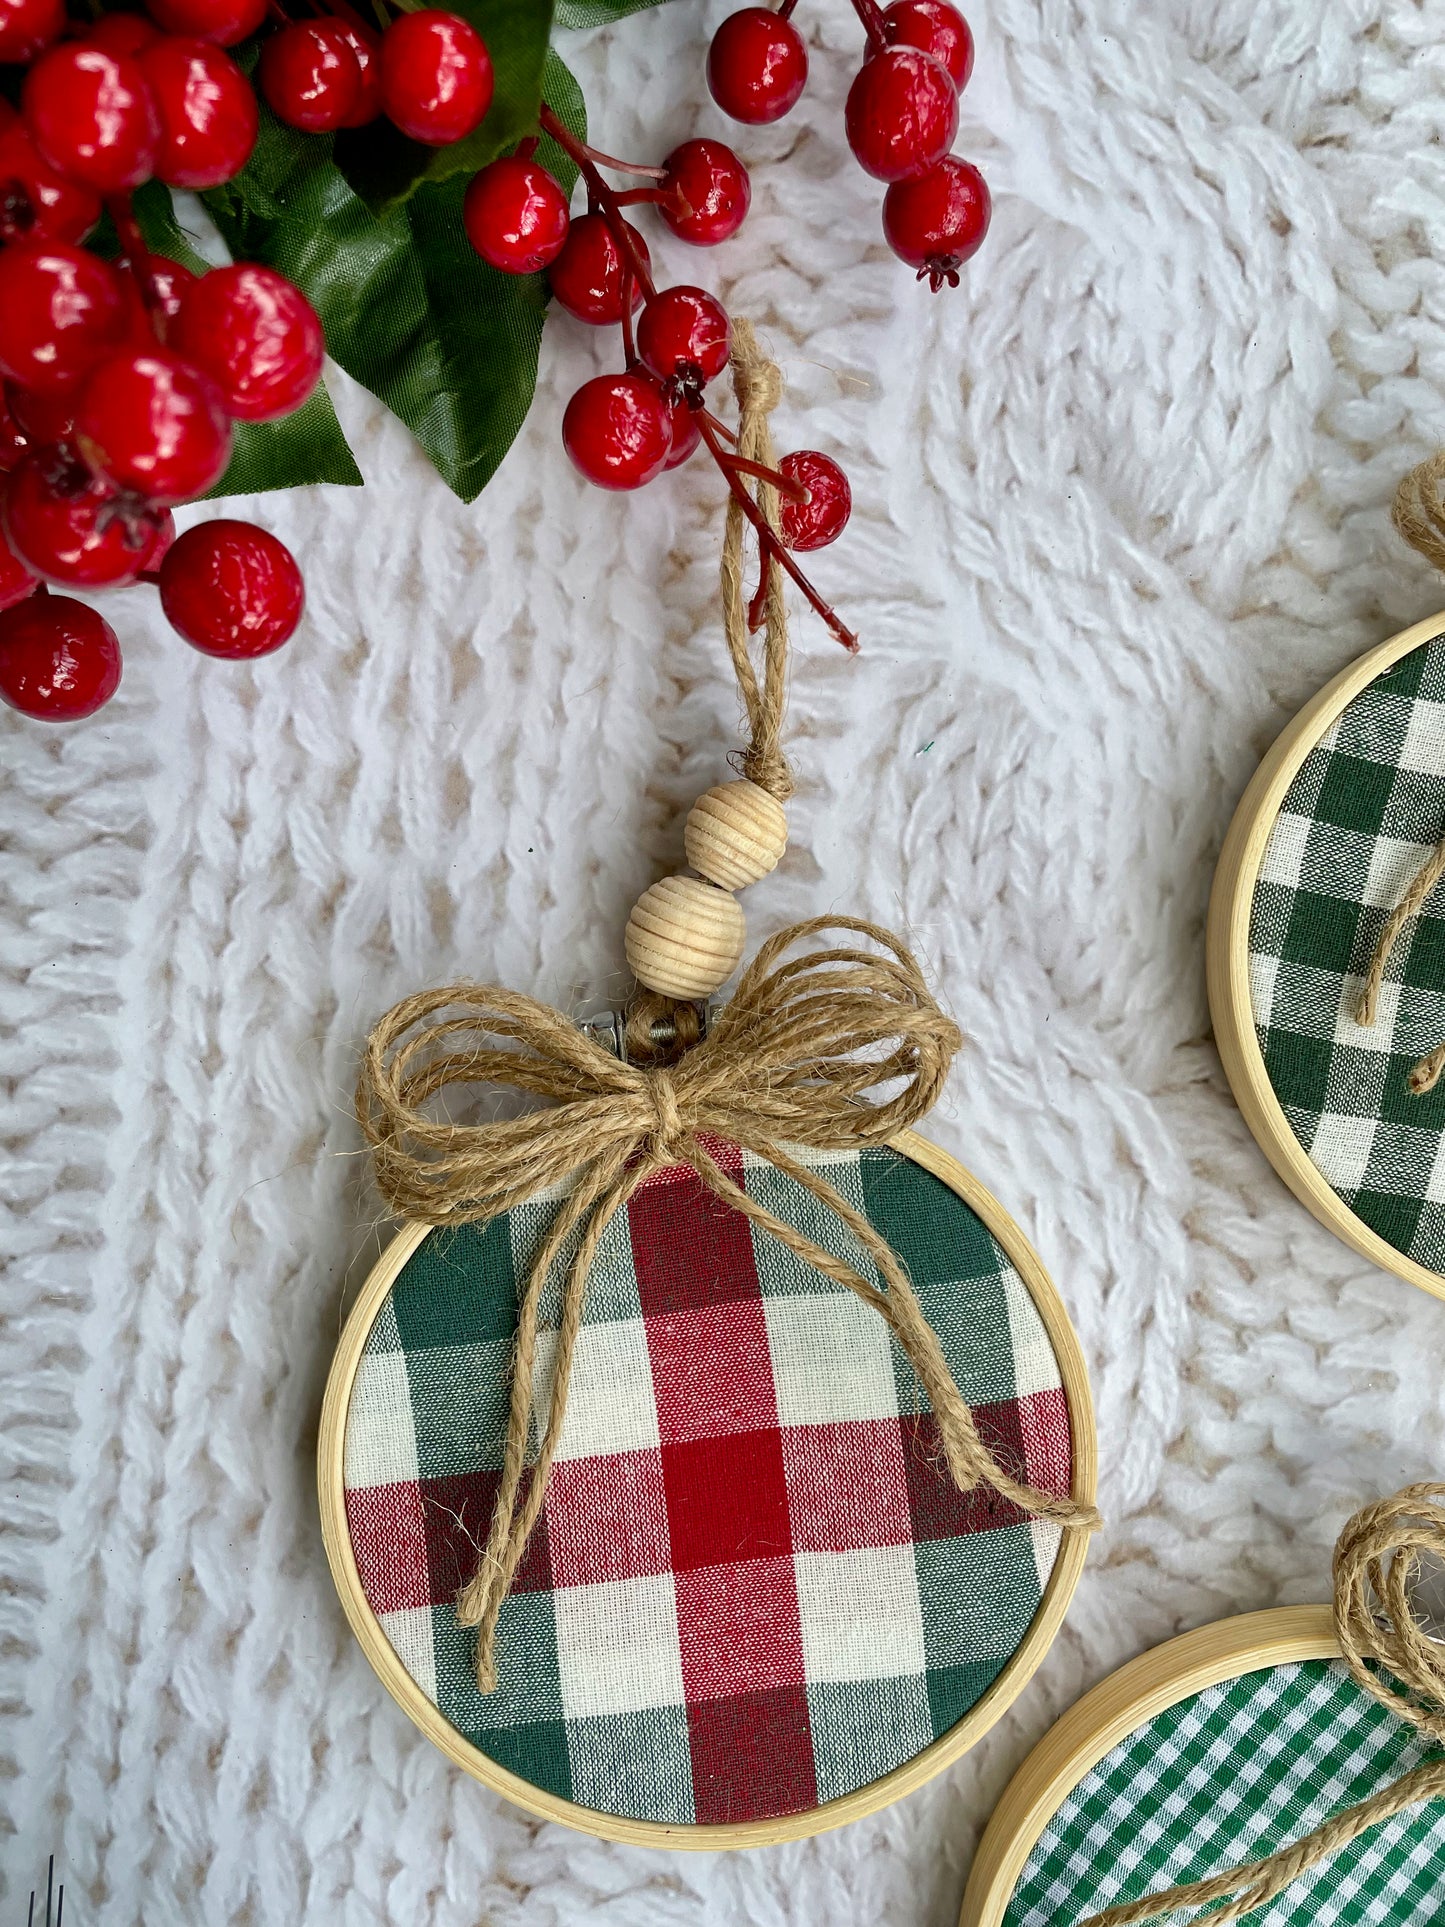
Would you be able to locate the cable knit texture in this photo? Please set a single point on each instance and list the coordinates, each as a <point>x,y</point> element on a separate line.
<point>1122,507</point>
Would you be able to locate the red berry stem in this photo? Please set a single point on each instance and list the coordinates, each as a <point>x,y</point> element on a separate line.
<point>596,155</point>
<point>721,427</point>
<point>871,15</point>
<point>133,247</point>
<point>785,12</point>
<point>740,465</point>
<point>629,341</point>
<point>635,196</point>
<point>770,549</point>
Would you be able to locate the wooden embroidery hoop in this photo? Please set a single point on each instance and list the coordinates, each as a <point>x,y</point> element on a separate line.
<point>1117,1707</point>
<point>1231,901</point>
<point>868,1799</point>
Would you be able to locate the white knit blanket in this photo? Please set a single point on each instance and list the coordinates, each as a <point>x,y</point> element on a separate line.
<point>1121,507</point>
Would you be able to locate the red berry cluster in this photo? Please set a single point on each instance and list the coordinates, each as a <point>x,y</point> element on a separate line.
<point>901,116</point>
<point>623,430</point>
<point>429,73</point>
<point>121,382</point>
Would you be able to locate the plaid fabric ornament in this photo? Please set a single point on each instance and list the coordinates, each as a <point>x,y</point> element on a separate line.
<point>754,1588</point>
<point>1363,811</point>
<point>1229,1775</point>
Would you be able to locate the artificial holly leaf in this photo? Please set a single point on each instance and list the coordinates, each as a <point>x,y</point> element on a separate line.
<point>385,167</point>
<point>303,447</point>
<point>448,343</point>
<point>596,13</point>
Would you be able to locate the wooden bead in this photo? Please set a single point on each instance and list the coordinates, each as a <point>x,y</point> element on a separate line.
<point>735,834</point>
<point>685,937</point>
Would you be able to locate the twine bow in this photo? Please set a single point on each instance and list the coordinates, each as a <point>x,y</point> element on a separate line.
<point>789,1060</point>
<point>1377,1563</point>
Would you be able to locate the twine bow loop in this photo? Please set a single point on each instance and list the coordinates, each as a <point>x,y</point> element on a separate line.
<point>792,1059</point>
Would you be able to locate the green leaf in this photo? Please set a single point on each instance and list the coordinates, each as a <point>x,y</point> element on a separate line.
<point>596,13</point>
<point>385,167</point>
<point>448,343</point>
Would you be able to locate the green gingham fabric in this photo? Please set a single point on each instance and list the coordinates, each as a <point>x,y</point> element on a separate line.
<point>1231,1775</point>
<point>1364,811</point>
<point>752,1588</point>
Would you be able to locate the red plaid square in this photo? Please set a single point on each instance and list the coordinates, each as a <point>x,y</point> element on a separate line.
<point>607,1519</point>
<point>711,1370</point>
<point>847,1485</point>
<point>752,1755</point>
<point>388,1537</point>
<point>688,1247</point>
<point>739,1628</point>
<point>727,1499</point>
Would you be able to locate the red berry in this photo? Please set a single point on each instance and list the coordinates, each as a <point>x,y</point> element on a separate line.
<point>91,116</point>
<point>59,660</point>
<point>151,323</point>
<point>587,275</point>
<point>935,223</point>
<point>16,581</point>
<point>36,203</point>
<point>256,335</point>
<point>706,192</point>
<point>823,517</point>
<point>618,431</point>
<point>72,528</point>
<point>936,28</point>
<point>232,589</point>
<point>27,27</point>
<point>684,338</point>
<point>902,114</point>
<point>122,33</point>
<point>686,431</point>
<point>14,443</point>
<point>310,76</point>
<point>61,309</point>
<point>207,110</point>
<point>367,48</point>
<point>516,215</point>
<point>226,22</point>
<point>757,65</point>
<point>154,424</point>
<point>42,419</point>
<point>436,76</point>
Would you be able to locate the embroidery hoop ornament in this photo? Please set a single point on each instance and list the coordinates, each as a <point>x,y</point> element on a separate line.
<point>834,1001</point>
<point>1420,518</point>
<point>1385,1608</point>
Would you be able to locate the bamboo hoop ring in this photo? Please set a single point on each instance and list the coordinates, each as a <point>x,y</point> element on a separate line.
<point>1231,901</point>
<point>941,1753</point>
<point>1117,1707</point>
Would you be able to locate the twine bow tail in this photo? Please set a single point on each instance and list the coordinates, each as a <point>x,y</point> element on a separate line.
<point>789,1060</point>
<point>1376,1563</point>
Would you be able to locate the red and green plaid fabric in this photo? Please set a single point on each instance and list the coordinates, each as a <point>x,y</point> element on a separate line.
<point>752,1589</point>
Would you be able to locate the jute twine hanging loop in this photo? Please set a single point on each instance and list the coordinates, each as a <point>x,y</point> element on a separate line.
<point>1419,516</point>
<point>797,1057</point>
<point>1377,1562</point>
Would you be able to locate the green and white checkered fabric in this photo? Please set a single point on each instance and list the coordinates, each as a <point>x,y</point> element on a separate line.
<point>1233,1774</point>
<point>1364,811</point>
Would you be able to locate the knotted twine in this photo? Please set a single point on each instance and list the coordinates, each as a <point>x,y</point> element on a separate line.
<point>1419,516</point>
<point>791,1060</point>
<point>1377,1562</point>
